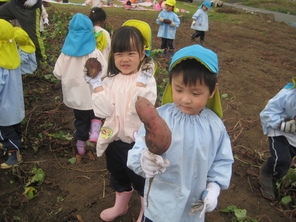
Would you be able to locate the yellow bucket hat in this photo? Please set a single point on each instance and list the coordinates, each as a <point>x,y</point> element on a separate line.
<point>145,29</point>
<point>23,40</point>
<point>9,56</point>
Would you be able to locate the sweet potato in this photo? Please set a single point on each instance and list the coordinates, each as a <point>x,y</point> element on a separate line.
<point>158,135</point>
<point>93,67</point>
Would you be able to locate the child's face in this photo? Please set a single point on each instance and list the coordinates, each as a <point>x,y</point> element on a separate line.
<point>190,99</point>
<point>168,8</point>
<point>204,8</point>
<point>128,62</point>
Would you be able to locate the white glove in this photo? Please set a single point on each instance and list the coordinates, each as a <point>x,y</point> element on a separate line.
<point>30,3</point>
<point>46,21</point>
<point>210,197</point>
<point>172,24</point>
<point>193,23</point>
<point>161,19</point>
<point>153,164</point>
<point>289,126</point>
<point>146,71</point>
<point>95,82</point>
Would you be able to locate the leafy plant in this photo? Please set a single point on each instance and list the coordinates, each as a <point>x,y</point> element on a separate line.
<point>240,215</point>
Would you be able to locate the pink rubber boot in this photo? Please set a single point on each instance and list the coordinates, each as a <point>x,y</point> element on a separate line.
<point>120,207</point>
<point>95,130</point>
<point>141,211</point>
<point>80,146</point>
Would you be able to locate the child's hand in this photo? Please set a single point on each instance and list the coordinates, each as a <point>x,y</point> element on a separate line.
<point>167,21</point>
<point>210,197</point>
<point>161,19</point>
<point>46,21</point>
<point>288,126</point>
<point>30,3</point>
<point>146,71</point>
<point>193,23</point>
<point>95,82</point>
<point>172,24</point>
<point>153,164</point>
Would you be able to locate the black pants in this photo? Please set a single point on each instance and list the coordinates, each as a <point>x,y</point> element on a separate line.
<point>282,154</point>
<point>82,123</point>
<point>200,34</point>
<point>10,137</point>
<point>167,43</point>
<point>122,178</point>
<point>29,20</point>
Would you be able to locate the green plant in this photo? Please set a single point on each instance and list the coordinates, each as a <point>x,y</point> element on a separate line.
<point>240,215</point>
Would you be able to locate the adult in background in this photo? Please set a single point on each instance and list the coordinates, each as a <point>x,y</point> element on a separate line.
<point>28,13</point>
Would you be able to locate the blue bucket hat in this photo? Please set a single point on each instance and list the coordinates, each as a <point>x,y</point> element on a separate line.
<point>208,4</point>
<point>80,40</point>
<point>206,57</point>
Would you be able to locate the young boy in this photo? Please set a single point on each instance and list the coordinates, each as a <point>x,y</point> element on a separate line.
<point>278,122</point>
<point>200,155</point>
<point>12,108</point>
<point>168,22</point>
<point>200,21</point>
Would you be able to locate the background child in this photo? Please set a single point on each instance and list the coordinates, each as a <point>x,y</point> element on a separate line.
<point>28,15</point>
<point>26,50</point>
<point>103,40</point>
<point>43,19</point>
<point>278,122</point>
<point>169,22</point>
<point>114,99</point>
<point>94,3</point>
<point>80,44</point>
<point>200,21</point>
<point>11,96</point>
<point>200,154</point>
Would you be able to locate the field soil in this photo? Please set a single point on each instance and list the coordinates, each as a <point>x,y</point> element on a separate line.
<point>256,59</point>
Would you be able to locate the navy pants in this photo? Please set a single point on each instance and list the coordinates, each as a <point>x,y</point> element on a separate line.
<point>10,137</point>
<point>167,43</point>
<point>200,34</point>
<point>122,178</point>
<point>282,154</point>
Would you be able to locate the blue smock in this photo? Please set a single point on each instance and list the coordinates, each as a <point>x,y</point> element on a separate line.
<point>165,30</point>
<point>200,153</point>
<point>281,107</point>
<point>12,108</point>
<point>202,20</point>
<point>28,62</point>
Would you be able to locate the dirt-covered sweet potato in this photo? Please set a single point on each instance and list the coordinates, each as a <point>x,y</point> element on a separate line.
<point>93,67</point>
<point>158,135</point>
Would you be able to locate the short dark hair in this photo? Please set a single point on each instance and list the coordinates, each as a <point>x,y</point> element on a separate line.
<point>97,15</point>
<point>126,38</point>
<point>193,71</point>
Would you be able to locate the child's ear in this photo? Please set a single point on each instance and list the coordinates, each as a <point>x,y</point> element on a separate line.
<point>142,56</point>
<point>216,86</point>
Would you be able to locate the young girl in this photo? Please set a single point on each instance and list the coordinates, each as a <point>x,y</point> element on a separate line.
<point>198,162</point>
<point>11,96</point>
<point>168,22</point>
<point>200,21</point>
<point>103,40</point>
<point>80,44</point>
<point>114,99</point>
<point>26,50</point>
